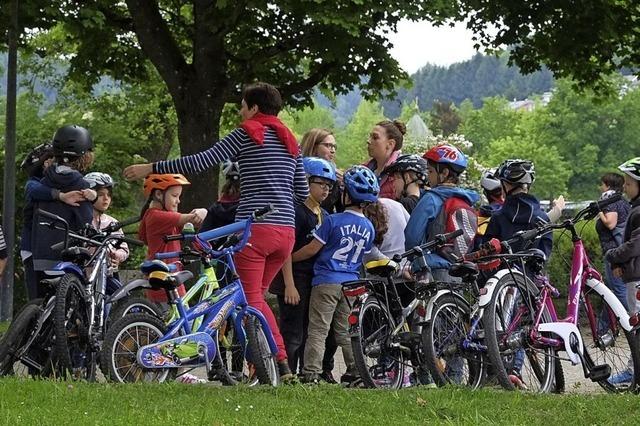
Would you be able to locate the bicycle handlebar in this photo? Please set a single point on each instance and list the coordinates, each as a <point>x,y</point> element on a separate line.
<point>439,240</point>
<point>119,225</point>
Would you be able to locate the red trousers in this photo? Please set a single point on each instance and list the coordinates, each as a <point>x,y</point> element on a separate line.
<point>258,263</point>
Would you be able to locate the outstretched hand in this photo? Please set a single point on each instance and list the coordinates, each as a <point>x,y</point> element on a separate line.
<point>137,171</point>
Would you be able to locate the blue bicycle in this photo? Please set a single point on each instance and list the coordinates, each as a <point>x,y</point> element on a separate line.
<point>140,347</point>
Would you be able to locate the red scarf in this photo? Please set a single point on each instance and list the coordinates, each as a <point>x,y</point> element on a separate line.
<point>255,128</point>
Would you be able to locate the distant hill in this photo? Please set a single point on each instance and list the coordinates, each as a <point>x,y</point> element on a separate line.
<point>475,79</point>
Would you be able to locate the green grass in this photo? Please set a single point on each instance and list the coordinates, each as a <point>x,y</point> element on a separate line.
<point>4,325</point>
<point>56,403</point>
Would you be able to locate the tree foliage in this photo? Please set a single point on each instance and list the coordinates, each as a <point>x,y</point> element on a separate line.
<point>580,39</point>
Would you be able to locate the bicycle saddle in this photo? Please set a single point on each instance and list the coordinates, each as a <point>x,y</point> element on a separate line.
<point>168,281</point>
<point>149,266</point>
<point>381,267</point>
<point>75,254</point>
<point>464,270</point>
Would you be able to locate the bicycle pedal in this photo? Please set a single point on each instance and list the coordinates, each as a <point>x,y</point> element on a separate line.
<point>598,373</point>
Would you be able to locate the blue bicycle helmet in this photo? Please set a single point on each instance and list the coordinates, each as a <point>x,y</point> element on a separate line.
<point>319,167</point>
<point>361,184</point>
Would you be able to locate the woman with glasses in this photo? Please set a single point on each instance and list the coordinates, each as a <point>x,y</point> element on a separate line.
<point>384,144</point>
<point>321,143</point>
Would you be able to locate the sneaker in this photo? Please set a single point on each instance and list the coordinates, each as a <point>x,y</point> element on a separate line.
<point>350,381</point>
<point>285,372</point>
<point>190,379</point>
<point>517,381</point>
<point>623,378</point>
<point>327,376</point>
<point>310,378</point>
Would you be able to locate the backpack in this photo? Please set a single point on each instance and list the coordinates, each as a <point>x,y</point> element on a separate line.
<point>456,213</point>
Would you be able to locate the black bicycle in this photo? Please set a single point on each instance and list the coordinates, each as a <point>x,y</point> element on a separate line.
<point>387,316</point>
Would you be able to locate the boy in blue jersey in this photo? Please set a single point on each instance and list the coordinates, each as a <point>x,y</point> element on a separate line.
<point>340,242</point>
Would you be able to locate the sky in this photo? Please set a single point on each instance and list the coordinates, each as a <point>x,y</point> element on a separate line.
<point>419,43</point>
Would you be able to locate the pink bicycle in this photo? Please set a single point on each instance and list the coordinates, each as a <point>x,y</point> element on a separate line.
<point>524,334</point>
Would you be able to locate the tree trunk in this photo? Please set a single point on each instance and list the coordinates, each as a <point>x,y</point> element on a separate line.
<point>198,129</point>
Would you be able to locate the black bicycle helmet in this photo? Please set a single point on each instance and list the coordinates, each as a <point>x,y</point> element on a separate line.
<point>71,141</point>
<point>34,161</point>
<point>409,163</point>
<point>517,172</point>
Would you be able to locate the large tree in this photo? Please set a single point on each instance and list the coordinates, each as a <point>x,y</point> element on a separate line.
<point>204,50</point>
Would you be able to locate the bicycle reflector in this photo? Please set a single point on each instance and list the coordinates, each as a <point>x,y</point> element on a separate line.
<point>355,292</point>
<point>353,319</point>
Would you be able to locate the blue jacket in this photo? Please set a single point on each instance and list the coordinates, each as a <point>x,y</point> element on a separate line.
<point>63,179</point>
<point>33,191</point>
<point>519,212</point>
<point>426,211</point>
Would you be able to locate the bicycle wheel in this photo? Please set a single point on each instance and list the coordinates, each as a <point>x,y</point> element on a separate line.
<point>613,346</point>
<point>442,337</point>
<point>379,364</point>
<point>259,352</point>
<point>15,338</point>
<point>134,305</point>
<point>508,319</point>
<point>72,351</point>
<point>120,348</point>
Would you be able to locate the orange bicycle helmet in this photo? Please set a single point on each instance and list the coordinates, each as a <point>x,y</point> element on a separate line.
<point>162,182</point>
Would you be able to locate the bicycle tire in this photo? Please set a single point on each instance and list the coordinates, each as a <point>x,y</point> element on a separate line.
<point>72,351</point>
<point>230,366</point>
<point>15,338</point>
<point>374,322</point>
<point>497,318</point>
<point>120,337</point>
<point>621,350</point>
<point>442,345</point>
<point>134,305</point>
<point>259,352</point>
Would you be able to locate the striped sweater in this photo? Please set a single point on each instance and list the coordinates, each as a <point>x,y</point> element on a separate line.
<point>3,246</point>
<point>268,173</point>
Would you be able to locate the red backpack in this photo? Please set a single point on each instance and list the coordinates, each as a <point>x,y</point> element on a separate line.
<point>456,213</point>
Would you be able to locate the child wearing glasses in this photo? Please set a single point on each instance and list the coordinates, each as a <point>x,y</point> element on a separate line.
<point>293,285</point>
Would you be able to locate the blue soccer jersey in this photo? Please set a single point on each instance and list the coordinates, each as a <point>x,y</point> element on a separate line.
<point>346,238</point>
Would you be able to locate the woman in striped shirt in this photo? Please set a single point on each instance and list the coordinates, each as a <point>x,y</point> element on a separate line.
<point>3,252</point>
<point>271,172</point>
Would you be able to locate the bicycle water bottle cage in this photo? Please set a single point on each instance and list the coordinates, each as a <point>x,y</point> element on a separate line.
<point>468,271</point>
<point>149,266</point>
<point>75,254</point>
<point>381,267</point>
<point>167,281</point>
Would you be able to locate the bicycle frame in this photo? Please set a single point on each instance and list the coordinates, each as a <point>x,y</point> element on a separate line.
<point>211,313</point>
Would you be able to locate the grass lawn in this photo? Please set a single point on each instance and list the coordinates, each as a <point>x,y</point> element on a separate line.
<point>3,326</point>
<point>62,403</point>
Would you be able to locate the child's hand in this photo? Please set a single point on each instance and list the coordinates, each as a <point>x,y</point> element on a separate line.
<point>559,202</point>
<point>71,198</point>
<point>617,272</point>
<point>137,171</point>
<point>291,295</point>
<point>198,216</point>
<point>113,260</point>
<point>89,194</point>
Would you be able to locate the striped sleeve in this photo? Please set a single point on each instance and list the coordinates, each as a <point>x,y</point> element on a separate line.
<point>300,183</point>
<point>226,148</point>
<point>3,245</point>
